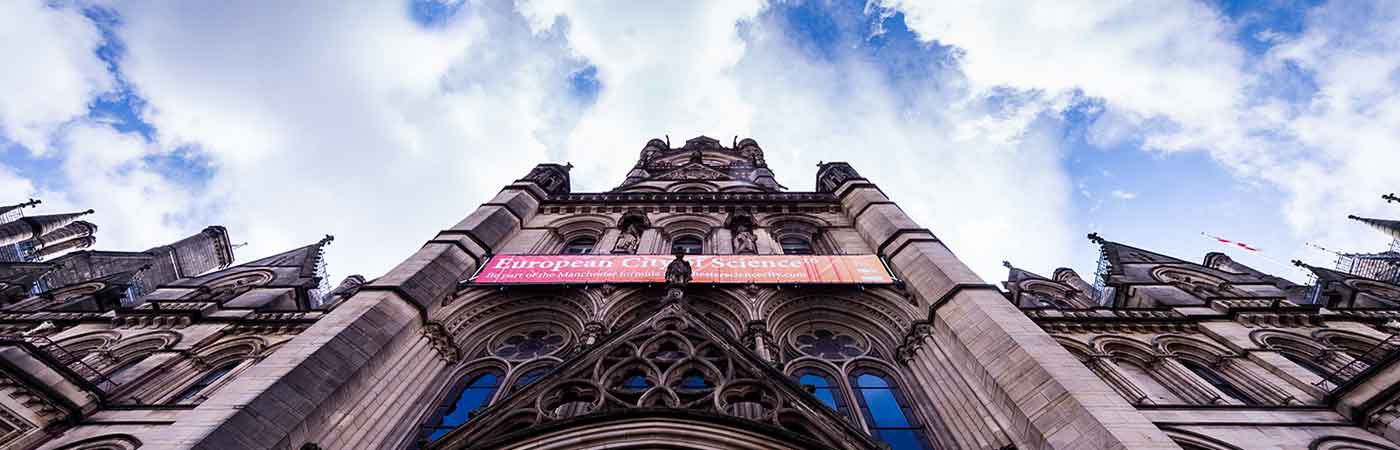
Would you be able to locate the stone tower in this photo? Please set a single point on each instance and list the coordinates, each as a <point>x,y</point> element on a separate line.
<point>700,304</point>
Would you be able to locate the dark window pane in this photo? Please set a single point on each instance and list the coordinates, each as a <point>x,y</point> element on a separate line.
<point>796,246</point>
<point>204,382</point>
<point>687,244</point>
<point>530,377</point>
<point>901,439</point>
<point>580,246</point>
<point>1220,384</point>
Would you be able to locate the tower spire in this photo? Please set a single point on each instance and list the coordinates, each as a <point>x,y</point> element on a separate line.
<point>32,227</point>
<point>1389,227</point>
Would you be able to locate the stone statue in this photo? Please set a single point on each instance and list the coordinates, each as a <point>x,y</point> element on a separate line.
<point>678,272</point>
<point>47,327</point>
<point>697,157</point>
<point>745,241</point>
<point>629,239</point>
<point>677,277</point>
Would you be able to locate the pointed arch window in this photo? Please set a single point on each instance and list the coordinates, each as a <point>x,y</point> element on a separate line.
<point>890,416</point>
<point>474,391</point>
<point>690,245</point>
<point>1220,383</point>
<point>187,395</point>
<point>824,388</point>
<point>580,245</point>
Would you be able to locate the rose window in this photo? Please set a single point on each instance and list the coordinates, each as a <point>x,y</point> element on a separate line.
<point>828,344</point>
<point>531,344</point>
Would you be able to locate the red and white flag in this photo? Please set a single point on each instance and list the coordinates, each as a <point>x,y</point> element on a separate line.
<point>1230,242</point>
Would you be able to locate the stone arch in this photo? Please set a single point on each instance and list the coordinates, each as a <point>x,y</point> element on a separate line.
<point>1288,341</point>
<point>132,349</point>
<point>591,225</point>
<point>1190,347</point>
<point>1195,282</point>
<point>105,442</point>
<point>1140,367</point>
<point>693,186</point>
<point>1080,350</point>
<point>482,307</point>
<point>1347,443</point>
<point>1121,348</point>
<point>670,429</point>
<point>625,309</point>
<point>84,344</point>
<point>1189,440</point>
<point>883,321</point>
<point>1058,295</point>
<point>1355,344</point>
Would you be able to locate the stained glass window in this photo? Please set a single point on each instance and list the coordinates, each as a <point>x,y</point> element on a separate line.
<point>824,388</point>
<point>887,412</point>
<point>824,343</point>
<point>475,391</point>
<point>530,344</point>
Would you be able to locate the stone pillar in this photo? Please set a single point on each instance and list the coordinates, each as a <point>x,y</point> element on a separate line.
<point>1107,370</point>
<point>1244,378</point>
<point>1186,384</point>
<point>347,368</point>
<point>1033,386</point>
<point>961,415</point>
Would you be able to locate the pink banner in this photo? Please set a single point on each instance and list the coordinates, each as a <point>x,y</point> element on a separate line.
<point>530,269</point>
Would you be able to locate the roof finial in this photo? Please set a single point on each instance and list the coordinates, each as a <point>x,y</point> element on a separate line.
<point>1007,264</point>
<point>326,240</point>
<point>668,140</point>
<point>1096,238</point>
<point>31,202</point>
<point>1300,263</point>
<point>1391,198</point>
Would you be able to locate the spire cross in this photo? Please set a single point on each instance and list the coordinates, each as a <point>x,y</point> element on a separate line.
<point>1389,198</point>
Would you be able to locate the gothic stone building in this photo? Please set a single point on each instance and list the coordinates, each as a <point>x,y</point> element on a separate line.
<point>177,348</point>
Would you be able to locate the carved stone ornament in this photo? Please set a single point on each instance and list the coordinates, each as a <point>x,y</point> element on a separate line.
<point>693,172</point>
<point>442,342</point>
<point>745,242</point>
<point>834,174</point>
<point>629,239</point>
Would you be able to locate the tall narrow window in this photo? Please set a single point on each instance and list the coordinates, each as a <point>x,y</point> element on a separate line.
<point>1307,363</point>
<point>1210,376</point>
<point>687,244</point>
<point>824,388</point>
<point>475,392</point>
<point>889,415</point>
<point>187,395</point>
<point>796,246</point>
<point>580,246</point>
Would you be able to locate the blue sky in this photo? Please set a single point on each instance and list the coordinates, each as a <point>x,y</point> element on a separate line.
<point>1010,129</point>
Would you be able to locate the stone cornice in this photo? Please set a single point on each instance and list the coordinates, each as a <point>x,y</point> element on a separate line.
<point>692,197</point>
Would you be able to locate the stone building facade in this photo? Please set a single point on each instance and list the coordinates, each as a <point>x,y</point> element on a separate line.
<point>211,355</point>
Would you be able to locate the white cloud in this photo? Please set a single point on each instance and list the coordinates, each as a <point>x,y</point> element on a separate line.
<point>1172,76</point>
<point>1123,195</point>
<point>50,71</point>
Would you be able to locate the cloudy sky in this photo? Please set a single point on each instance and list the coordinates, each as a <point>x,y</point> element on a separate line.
<point>1010,129</point>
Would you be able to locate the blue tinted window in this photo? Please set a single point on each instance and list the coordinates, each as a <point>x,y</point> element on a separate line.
<point>530,377</point>
<point>823,389</point>
<point>890,418</point>
<point>475,392</point>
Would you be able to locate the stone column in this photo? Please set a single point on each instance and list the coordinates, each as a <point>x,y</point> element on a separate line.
<point>1107,370</point>
<point>312,386</point>
<point>1186,384</point>
<point>1018,368</point>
